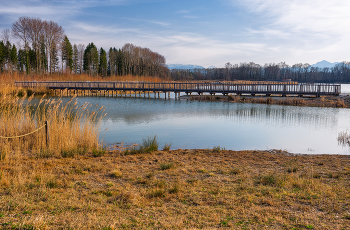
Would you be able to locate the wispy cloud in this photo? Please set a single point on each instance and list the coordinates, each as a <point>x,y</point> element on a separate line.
<point>149,21</point>
<point>302,28</point>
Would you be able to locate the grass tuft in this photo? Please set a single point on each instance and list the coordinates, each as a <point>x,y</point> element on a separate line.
<point>165,166</point>
<point>167,147</point>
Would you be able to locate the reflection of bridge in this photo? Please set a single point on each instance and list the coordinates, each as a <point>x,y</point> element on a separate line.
<point>189,88</point>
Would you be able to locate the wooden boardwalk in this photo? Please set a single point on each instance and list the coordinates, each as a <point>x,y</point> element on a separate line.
<point>189,88</point>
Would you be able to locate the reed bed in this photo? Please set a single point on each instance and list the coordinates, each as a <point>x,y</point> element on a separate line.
<point>9,78</point>
<point>71,128</point>
<point>324,101</point>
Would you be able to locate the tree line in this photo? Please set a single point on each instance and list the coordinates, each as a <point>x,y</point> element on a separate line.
<point>44,48</point>
<point>276,72</point>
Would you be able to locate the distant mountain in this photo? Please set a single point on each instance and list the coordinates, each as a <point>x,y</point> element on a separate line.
<point>324,64</point>
<point>180,66</point>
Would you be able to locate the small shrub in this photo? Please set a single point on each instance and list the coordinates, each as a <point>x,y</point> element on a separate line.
<point>267,180</point>
<point>293,169</point>
<point>217,148</point>
<point>67,153</point>
<point>132,151</point>
<point>2,155</point>
<point>167,147</point>
<point>117,174</point>
<point>109,184</point>
<point>234,171</point>
<point>45,153</point>
<point>51,183</point>
<point>340,103</point>
<point>149,145</point>
<point>157,193</point>
<point>140,180</point>
<point>165,166</point>
<point>149,175</point>
<point>174,189</point>
<point>98,152</point>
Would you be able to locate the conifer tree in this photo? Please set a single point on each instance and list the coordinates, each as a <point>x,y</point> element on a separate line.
<point>102,68</point>
<point>67,53</point>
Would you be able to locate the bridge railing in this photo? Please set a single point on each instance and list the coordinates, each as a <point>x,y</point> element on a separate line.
<point>322,89</point>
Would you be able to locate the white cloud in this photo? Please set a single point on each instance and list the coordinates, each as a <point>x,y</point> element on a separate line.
<point>314,29</point>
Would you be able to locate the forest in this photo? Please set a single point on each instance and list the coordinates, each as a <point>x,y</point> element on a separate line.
<point>44,48</point>
<point>274,72</point>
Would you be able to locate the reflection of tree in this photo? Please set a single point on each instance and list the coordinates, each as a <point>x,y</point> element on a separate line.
<point>344,138</point>
<point>136,111</point>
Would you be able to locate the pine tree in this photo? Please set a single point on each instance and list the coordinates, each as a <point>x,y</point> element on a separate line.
<point>75,59</point>
<point>67,53</point>
<point>102,68</point>
<point>2,55</point>
<point>13,57</point>
<point>91,59</point>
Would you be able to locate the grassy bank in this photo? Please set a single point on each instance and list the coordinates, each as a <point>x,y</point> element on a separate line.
<point>179,189</point>
<point>324,101</point>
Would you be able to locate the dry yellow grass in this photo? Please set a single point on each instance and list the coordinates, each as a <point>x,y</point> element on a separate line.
<point>70,127</point>
<point>324,101</point>
<point>8,78</point>
<point>204,189</point>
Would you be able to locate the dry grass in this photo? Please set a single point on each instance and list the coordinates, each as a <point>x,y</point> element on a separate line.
<point>182,189</point>
<point>7,81</point>
<point>8,78</point>
<point>72,128</point>
<point>329,101</point>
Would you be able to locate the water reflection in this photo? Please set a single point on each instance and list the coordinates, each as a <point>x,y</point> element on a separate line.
<point>196,124</point>
<point>135,111</point>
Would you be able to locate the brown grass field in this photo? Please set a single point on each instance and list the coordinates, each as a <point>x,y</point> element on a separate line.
<point>180,189</point>
<point>75,183</point>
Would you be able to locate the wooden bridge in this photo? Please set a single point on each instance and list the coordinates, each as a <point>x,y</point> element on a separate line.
<point>188,88</point>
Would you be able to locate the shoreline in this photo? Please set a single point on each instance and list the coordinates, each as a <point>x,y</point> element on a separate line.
<point>341,101</point>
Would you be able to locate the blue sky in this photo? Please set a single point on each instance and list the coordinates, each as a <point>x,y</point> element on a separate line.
<point>202,32</point>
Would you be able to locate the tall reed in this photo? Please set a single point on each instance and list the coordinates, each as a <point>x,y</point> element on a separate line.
<point>71,127</point>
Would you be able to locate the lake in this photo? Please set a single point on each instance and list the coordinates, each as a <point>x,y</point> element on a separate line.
<point>236,126</point>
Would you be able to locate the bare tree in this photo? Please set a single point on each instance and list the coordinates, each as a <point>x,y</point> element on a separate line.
<point>53,34</point>
<point>20,29</point>
<point>6,35</point>
<point>81,49</point>
<point>35,34</point>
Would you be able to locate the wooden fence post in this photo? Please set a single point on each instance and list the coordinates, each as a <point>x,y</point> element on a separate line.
<point>47,134</point>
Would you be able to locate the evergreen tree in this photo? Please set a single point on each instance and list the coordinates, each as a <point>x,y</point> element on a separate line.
<point>67,53</point>
<point>43,57</point>
<point>2,55</point>
<point>91,59</point>
<point>102,67</point>
<point>75,59</point>
<point>22,60</point>
<point>13,57</point>
<point>53,58</point>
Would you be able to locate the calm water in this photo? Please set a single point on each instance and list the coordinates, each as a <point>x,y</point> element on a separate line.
<point>194,124</point>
